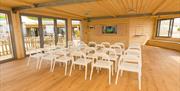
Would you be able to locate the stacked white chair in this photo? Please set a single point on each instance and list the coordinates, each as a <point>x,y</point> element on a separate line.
<point>105,63</point>
<point>79,58</point>
<point>131,61</point>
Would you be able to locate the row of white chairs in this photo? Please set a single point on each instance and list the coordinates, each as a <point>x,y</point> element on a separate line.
<point>117,59</point>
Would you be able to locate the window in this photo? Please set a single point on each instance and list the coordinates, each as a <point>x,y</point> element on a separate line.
<point>30,33</point>
<point>76,24</point>
<point>48,31</point>
<point>42,31</point>
<point>6,46</point>
<point>169,28</point>
<point>61,32</point>
<point>176,28</point>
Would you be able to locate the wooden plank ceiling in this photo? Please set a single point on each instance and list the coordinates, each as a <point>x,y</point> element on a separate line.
<point>99,8</point>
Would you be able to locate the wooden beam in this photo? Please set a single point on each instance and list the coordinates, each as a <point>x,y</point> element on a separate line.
<point>161,6</point>
<point>54,3</point>
<point>60,10</point>
<point>133,15</point>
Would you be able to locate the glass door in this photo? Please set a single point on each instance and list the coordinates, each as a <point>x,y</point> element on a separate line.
<point>30,33</point>
<point>6,50</point>
<point>76,24</point>
<point>48,31</point>
<point>61,32</point>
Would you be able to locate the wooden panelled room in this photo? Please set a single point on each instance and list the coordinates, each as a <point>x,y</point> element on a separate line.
<point>89,45</point>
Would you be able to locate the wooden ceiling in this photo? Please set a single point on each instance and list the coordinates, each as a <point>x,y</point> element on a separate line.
<point>99,8</point>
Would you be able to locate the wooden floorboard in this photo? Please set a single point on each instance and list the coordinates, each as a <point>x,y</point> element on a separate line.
<point>160,72</point>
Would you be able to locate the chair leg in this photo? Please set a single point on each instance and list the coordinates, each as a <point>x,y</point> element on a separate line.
<point>121,72</point>
<point>139,79</point>
<point>71,69</point>
<point>85,72</point>
<point>40,63</point>
<point>65,68</point>
<point>91,72</point>
<point>51,65</point>
<point>115,66</point>
<point>117,76</point>
<point>112,70</point>
<point>28,61</point>
<point>54,64</point>
<point>37,64</point>
<point>109,75</point>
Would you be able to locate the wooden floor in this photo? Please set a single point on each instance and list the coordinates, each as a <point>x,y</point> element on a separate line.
<point>161,72</point>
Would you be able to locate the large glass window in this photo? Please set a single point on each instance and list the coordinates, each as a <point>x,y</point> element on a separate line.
<point>6,51</point>
<point>164,27</point>
<point>48,31</point>
<point>30,33</point>
<point>76,24</point>
<point>169,28</point>
<point>61,32</point>
<point>176,28</point>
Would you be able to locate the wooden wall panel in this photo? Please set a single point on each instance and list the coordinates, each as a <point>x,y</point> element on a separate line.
<point>126,29</point>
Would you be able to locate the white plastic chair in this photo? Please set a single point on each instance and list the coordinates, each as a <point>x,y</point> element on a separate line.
<point>131,62</point>
<point>118,49</point>
<point>35,54</point>
<point>105,63</point>
<point>90,53</point>
<point>63,59</point>
<point>79,58</point>
<point>106,44</point>
<point>113,57</point>
<point>50,57</point>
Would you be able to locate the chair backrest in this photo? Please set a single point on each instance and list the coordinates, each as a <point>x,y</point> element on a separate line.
<point>90,49</point>
<point>92,44</point>
<point>120,44</point>
<point>106,44</point>
<point>104,56</point>
<point>117,48</point>
<point>110,51</point>
<point>78,54</point>
<point>100,47</point>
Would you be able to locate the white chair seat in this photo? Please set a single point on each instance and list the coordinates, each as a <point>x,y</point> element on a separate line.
<point>129,67</point>
<point>82,61</point>
<point>37,55</point>
<point>49,57</point>
<point>91,56</point>
<point>131,58</point>
<point>63,59</point>
<point>103,64</point>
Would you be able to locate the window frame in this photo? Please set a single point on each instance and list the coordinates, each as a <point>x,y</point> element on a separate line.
<point>170,31</point>
<point>9,16</point>
<point>40,27</point>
